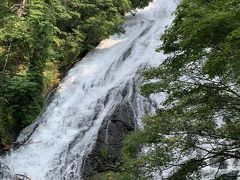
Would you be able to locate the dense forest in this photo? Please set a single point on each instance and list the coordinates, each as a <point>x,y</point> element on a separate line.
<point>199,119</point>
<point>39,41</point>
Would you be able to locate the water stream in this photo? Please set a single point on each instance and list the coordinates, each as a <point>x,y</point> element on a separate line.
<point>91,91</point>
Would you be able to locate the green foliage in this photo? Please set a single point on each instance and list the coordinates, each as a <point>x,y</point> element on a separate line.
<point>39,41</point>
<point>140,3</point>
<point>201,80</point>
<point>114,176</point>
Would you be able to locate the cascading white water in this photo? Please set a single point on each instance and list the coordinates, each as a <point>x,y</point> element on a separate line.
<point>89,93</point>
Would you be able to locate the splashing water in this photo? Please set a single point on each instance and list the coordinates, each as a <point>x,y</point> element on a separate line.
<point>90,92</point>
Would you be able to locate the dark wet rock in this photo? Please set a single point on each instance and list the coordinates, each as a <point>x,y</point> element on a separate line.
<point>218,163</point>
<point>26,133</point>
<point>229,176</point>
<point>223,165</point>
<point>105,155</point>
<point>5,172</point>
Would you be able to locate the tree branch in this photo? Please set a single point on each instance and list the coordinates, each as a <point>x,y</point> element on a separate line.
<point>7,56</point>
<point>22,7</point>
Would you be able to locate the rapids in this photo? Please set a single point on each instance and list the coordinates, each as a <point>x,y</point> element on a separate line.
<point>91,91</point>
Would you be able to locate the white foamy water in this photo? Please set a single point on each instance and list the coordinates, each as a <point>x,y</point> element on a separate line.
<point>90,92</point>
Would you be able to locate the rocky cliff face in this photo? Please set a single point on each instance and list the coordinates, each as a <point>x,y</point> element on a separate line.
<point>105,156</point>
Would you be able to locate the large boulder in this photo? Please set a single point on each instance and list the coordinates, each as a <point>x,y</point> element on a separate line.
<point>106,154</point>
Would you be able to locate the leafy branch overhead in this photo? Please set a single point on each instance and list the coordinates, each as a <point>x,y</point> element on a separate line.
<point>199,120</point>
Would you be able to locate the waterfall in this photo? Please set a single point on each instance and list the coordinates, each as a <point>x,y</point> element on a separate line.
<point>58,143</point>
